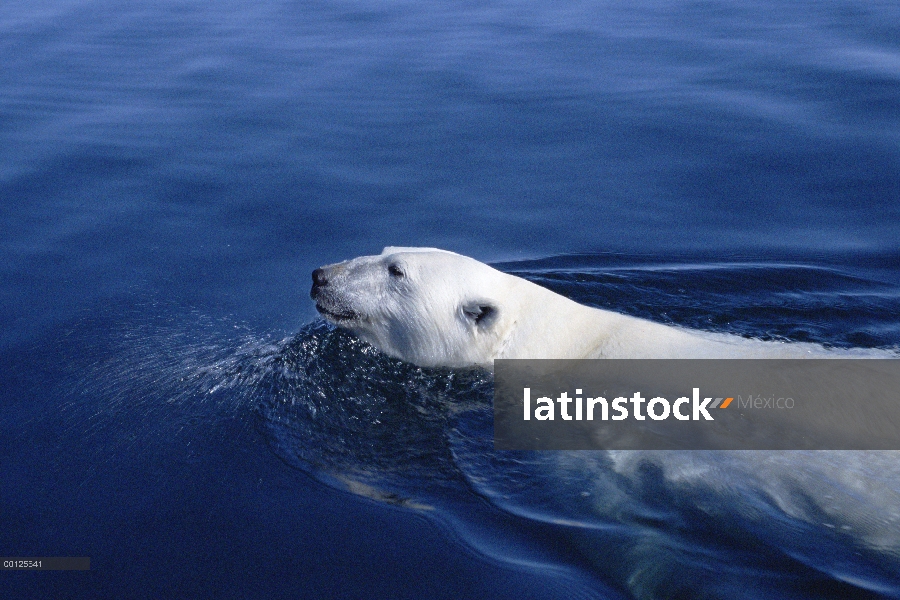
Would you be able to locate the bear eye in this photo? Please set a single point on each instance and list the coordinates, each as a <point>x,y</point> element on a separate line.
<point>395,271</point>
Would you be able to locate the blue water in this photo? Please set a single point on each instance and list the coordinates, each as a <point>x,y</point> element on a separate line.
<point>172,171</point>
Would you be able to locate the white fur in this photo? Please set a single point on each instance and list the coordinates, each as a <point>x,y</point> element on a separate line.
<point>422,305</point>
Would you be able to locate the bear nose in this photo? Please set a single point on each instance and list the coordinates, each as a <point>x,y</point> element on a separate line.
<point>319,281</point>
<point>319,278</point>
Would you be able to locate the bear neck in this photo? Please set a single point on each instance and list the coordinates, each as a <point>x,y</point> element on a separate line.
<point>548,325</point>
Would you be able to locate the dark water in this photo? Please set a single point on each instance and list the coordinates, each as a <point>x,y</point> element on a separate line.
<point>171,171</point>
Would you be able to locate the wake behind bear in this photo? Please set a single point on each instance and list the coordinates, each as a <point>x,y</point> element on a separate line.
<point>435,308</point>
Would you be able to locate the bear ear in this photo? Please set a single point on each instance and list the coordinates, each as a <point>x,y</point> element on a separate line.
<point>480,312</point>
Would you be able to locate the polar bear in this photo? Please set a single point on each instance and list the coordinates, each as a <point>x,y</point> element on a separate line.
<point>433,308</point>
